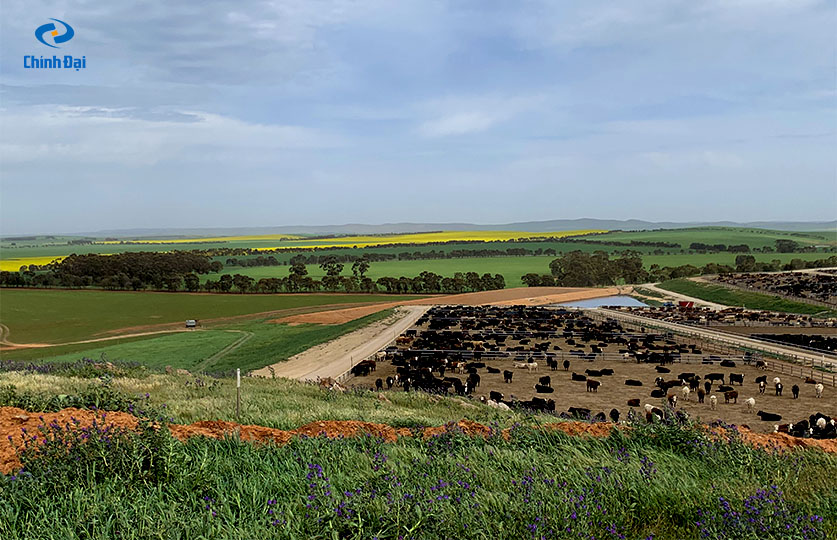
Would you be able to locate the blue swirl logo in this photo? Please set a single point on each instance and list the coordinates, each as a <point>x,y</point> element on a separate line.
<point>49,28</point>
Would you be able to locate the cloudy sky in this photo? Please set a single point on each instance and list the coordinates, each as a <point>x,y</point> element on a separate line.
<point>216,114</point>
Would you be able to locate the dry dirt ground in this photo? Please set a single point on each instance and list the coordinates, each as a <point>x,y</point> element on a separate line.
<point>613,393</point>
<point>13,420</point>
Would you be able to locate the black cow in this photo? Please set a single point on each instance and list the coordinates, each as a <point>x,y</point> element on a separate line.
<point>566,365</point>
<point>768,417</point>
<point>633,382</point>
<point>701,395</point>
<point>606,372</point>
<point>661,369</point>
<point>736,378</point>
<point>658,393</point>
<point>507,376</point>
<point>577,377</point>
<point>545,380</point>
<point>495,396</point>
<point>541,389</point>
<point>473,380</point>
<point>763,379</point>
<point>716,377</point>
<point>492,370</point>
<point>600,417</point>
<point>779,387</point>
<point>727,363</point>
<point>614,415</point>
<point>795,391</point>
<point>707,386</point>
<point>379,384</point>
<point>553,364</point>
<point>724,388</point>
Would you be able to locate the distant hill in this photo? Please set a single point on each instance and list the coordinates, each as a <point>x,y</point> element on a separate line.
<point>529,226</point>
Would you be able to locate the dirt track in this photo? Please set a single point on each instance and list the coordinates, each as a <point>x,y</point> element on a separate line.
<point>335,357</point>
<point>12,420</point>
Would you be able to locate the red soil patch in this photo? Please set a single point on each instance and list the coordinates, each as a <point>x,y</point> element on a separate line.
<point>12,420</point>
<point>601,429</point>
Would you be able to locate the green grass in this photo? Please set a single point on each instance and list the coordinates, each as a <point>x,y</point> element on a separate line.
<point>737,298</point>
<point>512,268</point>
<point>755,238</point>
<point>658,479</point>
<point>55,316</point>
<point>263,343</point>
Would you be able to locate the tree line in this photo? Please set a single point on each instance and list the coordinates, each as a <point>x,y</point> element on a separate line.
<point>580,269</point>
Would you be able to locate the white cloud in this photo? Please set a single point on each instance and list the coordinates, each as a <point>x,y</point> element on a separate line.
<point>94,135</point>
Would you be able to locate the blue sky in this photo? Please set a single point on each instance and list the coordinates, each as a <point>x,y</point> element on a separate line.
<point>222,114</point>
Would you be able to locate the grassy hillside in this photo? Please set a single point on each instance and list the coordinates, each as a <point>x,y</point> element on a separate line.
<point>738,298</point>
<point>55,316</point>
<point>512,268</point>
<point>724,235</point>
<point>650,481</point>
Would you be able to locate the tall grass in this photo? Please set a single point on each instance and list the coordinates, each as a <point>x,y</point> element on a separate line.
<point>659,482</point>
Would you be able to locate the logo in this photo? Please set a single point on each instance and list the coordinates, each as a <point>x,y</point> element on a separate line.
<point>52,34</point>
<point>49,28</point>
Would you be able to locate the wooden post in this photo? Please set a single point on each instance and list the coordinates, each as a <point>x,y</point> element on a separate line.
<point>238,394</point>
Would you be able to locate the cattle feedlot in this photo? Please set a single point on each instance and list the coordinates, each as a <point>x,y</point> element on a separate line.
<point>470,350</point>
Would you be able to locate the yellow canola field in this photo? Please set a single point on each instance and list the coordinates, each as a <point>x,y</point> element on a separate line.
<point>278,237</point>
<point>13,265</point>
<point>426,238</point>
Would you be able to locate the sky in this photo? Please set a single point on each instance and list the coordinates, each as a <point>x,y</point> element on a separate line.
<point>306,112</point>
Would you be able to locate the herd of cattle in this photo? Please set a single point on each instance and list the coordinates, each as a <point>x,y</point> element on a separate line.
<point>819,286</point>
<point>459,349</point>
<point>726,317</point>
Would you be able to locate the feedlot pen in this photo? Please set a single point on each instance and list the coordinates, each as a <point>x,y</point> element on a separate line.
<point>499,337</point>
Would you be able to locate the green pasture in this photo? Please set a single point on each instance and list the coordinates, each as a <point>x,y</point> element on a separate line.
<point>253,344</point>
<point>512,268</point>
<point>56,247</point>
<point>55,316</point>
<point>737,298</point>
<point>755,238</point>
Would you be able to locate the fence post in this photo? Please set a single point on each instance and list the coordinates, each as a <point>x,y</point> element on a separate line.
<point>238,394</point>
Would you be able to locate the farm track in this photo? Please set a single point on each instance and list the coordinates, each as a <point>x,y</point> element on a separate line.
<point>226,350</point>
<point>334,358</point>
<point>13,420</point>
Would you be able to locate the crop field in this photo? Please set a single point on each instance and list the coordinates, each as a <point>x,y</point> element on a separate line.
<point>723,235</point>
<point>248,345</point>
<point>466,480</point>
<point>512,268</point>
<point>51,249</point>
<point>58,316</point>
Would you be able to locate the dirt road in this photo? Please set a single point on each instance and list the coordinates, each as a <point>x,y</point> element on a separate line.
<point>335,357</point>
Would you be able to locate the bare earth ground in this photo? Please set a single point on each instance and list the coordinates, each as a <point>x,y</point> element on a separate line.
<point>613,393</point>
<point>12,420</point>
<point>333,358</point>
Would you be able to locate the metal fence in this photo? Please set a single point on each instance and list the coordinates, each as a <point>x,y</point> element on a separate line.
<point>823,368</point>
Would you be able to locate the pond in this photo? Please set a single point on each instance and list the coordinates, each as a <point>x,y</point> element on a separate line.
<point>605,301</point>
